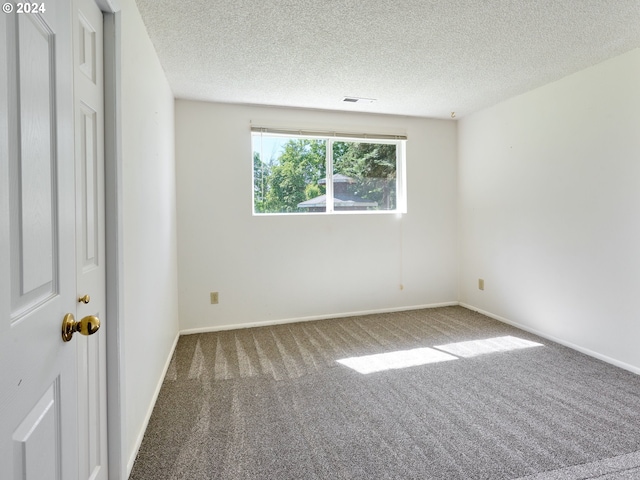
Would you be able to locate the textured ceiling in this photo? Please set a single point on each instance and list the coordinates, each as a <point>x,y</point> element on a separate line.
<point>415,57</point>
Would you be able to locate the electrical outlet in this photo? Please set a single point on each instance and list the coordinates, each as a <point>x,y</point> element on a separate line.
<point>214,298</point>
<point>481,283</point>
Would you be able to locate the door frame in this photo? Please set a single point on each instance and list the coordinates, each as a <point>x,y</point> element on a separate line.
<point>117,454</point>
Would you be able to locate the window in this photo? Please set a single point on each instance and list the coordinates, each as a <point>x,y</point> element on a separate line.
<point>316,173</point>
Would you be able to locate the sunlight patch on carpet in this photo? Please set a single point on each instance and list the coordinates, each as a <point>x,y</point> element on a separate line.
<point>490,345</point>
<point>395,360</point>
<point>422,356</point>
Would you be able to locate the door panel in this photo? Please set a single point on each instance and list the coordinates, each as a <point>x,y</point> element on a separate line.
<point>88,50</point>
<point>35,455</point>
<point>32,184</point>
<point>88,172</point>
<point>38,390</point>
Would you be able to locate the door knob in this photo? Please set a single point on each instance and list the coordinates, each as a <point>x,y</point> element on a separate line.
<point>87,326</point>
<point>84,299</point>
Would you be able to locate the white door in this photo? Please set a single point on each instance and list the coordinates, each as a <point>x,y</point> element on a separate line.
<point>45,432</point>
<point>90,240</point>
<point>38,391</point>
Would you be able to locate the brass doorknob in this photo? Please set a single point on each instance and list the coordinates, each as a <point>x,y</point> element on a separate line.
<point>87,326</point>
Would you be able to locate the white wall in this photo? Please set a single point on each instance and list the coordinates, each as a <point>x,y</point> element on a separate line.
<point>550,209</point>
<point>274,268</point>
<point>150,253</point>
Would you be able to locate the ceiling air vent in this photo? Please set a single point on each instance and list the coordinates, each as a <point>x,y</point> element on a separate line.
<point>358,100</point>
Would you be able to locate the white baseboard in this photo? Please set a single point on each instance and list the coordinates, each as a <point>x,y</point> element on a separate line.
<point>573,346</point>
<point>152,404</point>
<point>219,328</point>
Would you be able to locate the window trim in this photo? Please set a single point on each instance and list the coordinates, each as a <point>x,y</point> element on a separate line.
<point>330,137</point>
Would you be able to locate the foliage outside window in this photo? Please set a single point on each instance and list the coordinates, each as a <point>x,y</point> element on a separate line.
<point>304,174</point>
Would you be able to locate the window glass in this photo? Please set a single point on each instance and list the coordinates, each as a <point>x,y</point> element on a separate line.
<point>364,176</point>
<point>287,172</point>
<point>290,174</point>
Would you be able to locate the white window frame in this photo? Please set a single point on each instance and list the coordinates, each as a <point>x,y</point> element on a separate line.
<point>330,137</point>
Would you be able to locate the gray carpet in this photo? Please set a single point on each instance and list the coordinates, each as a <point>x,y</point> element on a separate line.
<point>274,403</point>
